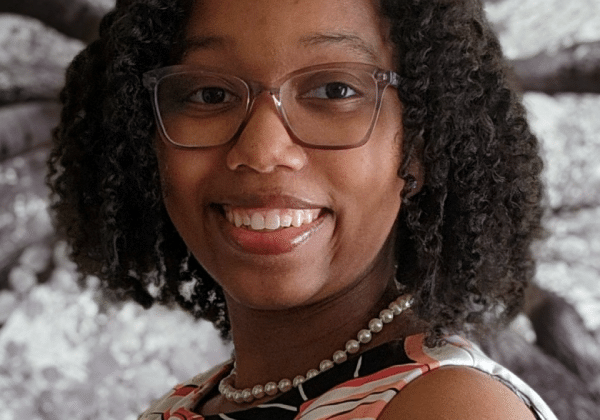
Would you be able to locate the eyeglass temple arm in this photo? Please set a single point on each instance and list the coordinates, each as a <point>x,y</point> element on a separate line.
<point>149,80</point>
<point>390,77</point>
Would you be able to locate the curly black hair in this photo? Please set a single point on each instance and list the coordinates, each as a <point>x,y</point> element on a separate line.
<point>463,241</point>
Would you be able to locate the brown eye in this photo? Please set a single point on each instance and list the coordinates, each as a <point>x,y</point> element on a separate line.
<point>338,91</point>
<point>334,90</point>
<point>211,96</point>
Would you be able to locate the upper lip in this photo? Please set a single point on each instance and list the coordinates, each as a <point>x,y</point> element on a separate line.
<point>268,201</point>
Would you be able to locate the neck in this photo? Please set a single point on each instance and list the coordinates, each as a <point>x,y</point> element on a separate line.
<point>271,345</point>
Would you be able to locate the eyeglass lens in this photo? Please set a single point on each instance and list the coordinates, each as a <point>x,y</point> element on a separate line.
<point>328,108</point>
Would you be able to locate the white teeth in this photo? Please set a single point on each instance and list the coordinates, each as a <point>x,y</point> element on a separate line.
<point>271,219</point>
<point>286,221</point>
<point>237,219</point>
<point>246,220</point>
<point>257,221</point>
<point>308,218</point>
<point>297,218</point>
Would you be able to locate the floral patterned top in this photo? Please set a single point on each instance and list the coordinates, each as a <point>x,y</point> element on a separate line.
<point>357,389</point>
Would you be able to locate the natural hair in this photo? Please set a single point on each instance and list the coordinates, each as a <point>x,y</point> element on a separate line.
<point>463,242</point>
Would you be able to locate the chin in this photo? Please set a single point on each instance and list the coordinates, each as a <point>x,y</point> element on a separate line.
<point>276,295</point>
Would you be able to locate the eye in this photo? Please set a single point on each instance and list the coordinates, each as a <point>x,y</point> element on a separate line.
<point>334,90</point>
<point>212,96</point>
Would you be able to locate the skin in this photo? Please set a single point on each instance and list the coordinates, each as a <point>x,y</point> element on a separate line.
<point>450,393</point>
<point>326,289</point>
<point>261,42</point>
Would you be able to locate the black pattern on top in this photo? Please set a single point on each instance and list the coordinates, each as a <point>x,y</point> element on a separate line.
<point>287,405</point>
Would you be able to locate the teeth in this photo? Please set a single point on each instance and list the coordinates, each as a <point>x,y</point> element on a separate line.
<point>246,220</point>
<point>286,221</point>
<point>271,219</point>
<point>257,221</point>
<point>297,218</point>
<point>237,219</point>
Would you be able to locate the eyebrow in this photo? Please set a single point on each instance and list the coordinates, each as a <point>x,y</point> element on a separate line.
<point>203,43</point>
<point>355,43</point>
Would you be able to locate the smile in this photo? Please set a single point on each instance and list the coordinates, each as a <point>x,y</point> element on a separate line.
<point>270,219</point>
<point>270,230</point>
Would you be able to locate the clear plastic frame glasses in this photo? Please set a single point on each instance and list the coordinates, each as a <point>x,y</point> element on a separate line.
<point>333,106</point>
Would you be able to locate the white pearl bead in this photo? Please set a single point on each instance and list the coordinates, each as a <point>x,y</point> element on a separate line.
<point>298,380</point>
<point>352,346</point>
<point>375,325</point>
<point>340,357</point>
<point>258,391</point>
<point>395,308</point>
<point>325,365</point>
<point>404,302</point>
<point>237,397</point>
<point>247,395</point>
<point>271,388</point>
<point>386,316</point>
<point>364,336</point>
<point>284,385</point>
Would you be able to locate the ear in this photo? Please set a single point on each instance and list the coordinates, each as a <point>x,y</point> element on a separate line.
<point>413,174</point>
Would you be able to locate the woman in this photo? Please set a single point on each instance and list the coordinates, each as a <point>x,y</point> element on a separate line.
<point>338,186</point>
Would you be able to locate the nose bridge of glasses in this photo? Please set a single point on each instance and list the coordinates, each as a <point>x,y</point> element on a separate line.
<point>264,140</point>
<point>256,92</point>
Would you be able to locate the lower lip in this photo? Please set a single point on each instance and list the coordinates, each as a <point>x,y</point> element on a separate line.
<point>270,242</point>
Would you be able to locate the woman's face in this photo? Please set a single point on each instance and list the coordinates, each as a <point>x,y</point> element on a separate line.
<point>353,195</point>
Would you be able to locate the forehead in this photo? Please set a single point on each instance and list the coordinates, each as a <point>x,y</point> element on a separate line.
<point>287,33</point>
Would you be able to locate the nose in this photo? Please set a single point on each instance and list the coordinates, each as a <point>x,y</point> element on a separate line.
<point>264,143</point>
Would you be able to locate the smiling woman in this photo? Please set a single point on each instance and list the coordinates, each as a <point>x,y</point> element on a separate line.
<point>349,186</point>
<point>276,164</point>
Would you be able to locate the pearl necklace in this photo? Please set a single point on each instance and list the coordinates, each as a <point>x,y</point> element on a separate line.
<point>364,336</point>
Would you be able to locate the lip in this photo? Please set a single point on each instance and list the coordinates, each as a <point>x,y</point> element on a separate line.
<point>272,201</point>
<point>268,242</point>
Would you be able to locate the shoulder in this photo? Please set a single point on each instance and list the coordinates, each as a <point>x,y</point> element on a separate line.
<point>456,392</point>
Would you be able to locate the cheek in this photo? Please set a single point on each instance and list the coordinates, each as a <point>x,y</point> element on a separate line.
<point>183,173</point>
<point>378,194</point>
<point>368,197</point>
<point>372,177</point>
<point>377,175</point>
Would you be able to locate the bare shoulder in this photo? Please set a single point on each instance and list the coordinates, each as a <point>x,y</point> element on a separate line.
<point>456,393</point>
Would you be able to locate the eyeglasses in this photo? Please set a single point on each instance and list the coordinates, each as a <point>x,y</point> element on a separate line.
<point>332,106</point>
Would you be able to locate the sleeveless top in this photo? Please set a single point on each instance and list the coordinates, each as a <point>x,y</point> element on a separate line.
<point>359,388</point>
